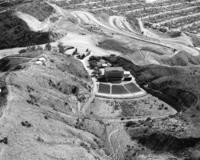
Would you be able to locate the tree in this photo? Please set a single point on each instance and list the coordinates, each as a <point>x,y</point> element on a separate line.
<point>61,48</point>
<point>48,47</point>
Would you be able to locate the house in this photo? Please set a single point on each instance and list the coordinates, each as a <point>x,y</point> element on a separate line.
<point>113,74</point>
<point>127,74</point>
<point>41,61</point>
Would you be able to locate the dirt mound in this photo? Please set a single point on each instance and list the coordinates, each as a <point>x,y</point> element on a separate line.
<point>15,32</point>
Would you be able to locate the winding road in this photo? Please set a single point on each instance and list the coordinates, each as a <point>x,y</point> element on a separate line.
<point>119,25</point>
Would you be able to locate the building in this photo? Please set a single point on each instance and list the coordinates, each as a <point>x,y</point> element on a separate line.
<point>127,74</point>
<point>113,74</point>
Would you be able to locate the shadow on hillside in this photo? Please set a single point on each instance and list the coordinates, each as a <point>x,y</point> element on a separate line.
<point>15,32</point>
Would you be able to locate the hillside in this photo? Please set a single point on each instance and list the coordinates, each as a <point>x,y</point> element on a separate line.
<point>43,9</point>
<point>60,99</point>
<point>16,33</point>
<point>181,59</point>
<point>42,108</point>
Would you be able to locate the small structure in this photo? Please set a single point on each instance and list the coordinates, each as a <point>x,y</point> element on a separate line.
<point>41,61</point>
<point>113,74</point>
<point>104,65</point>
<point>127,74</point>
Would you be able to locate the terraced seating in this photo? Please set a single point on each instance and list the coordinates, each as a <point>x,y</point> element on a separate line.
<point>131,87</point>
<point>118,89</point>
<point>104,88</point>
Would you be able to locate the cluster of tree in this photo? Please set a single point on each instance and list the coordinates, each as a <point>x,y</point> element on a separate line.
<point>16,33</point>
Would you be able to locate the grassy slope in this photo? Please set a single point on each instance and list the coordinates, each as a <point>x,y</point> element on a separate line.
<point>40,96</point>
<point>180,59</point>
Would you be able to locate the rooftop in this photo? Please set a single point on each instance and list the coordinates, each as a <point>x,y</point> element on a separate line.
<point>107,69</point>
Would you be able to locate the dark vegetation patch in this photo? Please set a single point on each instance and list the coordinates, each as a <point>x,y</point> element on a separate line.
<point>3,93</point>
<point>161,142</point>
<point>26,124</point>
<point>67,88</point>
<point>174,34</point>
<point>173,140</point>
<point>11,3</point>
<point>64,87</point>
<point>16,33</point>
<point>4,140</point>
<point>12,63</point>
<point>33,100</point>
<point>39,139</point>
<point>38,9</point>
<point>110,44</point>
<point>177,98</point>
